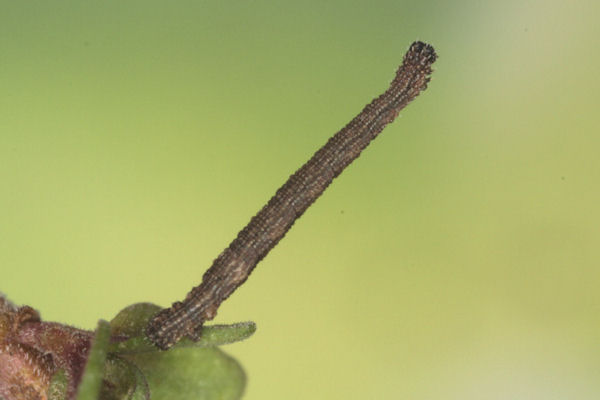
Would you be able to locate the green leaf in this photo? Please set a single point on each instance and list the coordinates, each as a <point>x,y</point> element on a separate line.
<point>89,388</point>
<point>191,374</point>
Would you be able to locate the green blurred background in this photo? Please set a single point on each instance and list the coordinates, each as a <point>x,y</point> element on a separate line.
<point>458,258</point>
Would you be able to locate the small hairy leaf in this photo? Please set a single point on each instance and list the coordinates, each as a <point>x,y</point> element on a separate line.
<point>58,386</point>
<point>123,381</point>
<point>131,322</point>
<point>138,370</point>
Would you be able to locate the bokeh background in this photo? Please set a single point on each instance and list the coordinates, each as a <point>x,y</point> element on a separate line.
<point>458,258</point>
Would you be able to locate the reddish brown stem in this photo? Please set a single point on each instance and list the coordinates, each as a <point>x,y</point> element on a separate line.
<point>233,266</point>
